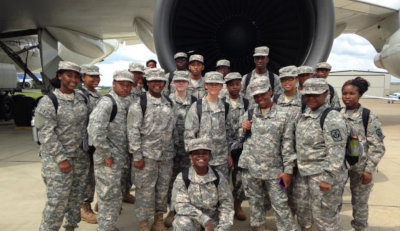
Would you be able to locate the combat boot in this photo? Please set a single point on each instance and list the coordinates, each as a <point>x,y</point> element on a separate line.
<point>308,229</point>
<point>169,219</point>
<point>87,214</point>
<point>144,226</point>
<point>96,207</point>
<point>261,228</point>
<point>239,214</point>
<point>69,228</point>
<point>129,198</point>
<point>158,224</point>
<point>359,229</point>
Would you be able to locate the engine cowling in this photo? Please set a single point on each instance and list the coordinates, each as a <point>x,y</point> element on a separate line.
<point>297,32</point>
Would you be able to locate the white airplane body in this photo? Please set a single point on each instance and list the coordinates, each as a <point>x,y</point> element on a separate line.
<point>390,99</point>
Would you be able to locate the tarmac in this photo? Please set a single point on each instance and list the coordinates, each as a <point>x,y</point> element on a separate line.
<point>22,191</point>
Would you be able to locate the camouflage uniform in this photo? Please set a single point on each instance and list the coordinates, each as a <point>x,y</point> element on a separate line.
<point>374,151</point>
<point>150,139</point>
<point>320,157</point>
<point>92,99</point>
<point>213,126</point>
<point>181,159</point>
<point>110,140</point>
<point>168,91</point>
<point>197,91</point>
<point>223,63</point>
<point>195,208</point>
<point>136,91</point>
<point>61,134</point>
<point>335,100</point>
<point>265,156</point>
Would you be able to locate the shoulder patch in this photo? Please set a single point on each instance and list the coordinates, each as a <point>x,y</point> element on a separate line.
<point>379,133</point>
<point>336,136</point>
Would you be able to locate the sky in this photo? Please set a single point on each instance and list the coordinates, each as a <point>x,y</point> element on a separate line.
<point>349,52</point>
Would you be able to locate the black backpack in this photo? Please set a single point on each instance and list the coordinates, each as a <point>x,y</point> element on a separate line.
<point>199,107</point>
<point>352,160</point>
<point>270,76</point>
<point>185,176</point>
<point>246,102</point>
<point>143,102</point>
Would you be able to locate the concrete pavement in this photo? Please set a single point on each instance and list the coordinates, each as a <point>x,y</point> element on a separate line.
<point>22,191</point>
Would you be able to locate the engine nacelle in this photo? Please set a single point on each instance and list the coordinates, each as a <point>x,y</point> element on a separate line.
<point>297,32</point>
<point>389,58</point>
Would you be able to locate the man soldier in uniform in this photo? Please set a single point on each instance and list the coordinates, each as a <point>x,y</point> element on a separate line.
<point>151,63</point>
<point>181,62</point>
<point>304,73</point>
<point>137,70</point>
<point>107,129</point>
<point>196,84</point>
<point>224,67</point>
<point>322,71</point>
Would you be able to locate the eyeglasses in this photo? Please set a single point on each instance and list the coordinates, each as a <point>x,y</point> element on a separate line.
<point>290,79</point>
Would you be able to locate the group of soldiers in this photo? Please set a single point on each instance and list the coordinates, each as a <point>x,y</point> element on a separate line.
<point>263,130</point>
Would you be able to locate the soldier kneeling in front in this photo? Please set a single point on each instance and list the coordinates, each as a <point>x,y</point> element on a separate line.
<point>195,209</point>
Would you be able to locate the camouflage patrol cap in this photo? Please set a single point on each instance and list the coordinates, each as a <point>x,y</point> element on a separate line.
<point>181,75</point>
<point>69,66</point>
<point>259,86</point>
<point>232,76</point>
<point>214,77</point>
<point>180,55</point>
<point>289,71</point>
<point>199,143</point>
<point>153,74</point>
<point>199,58</point>
<point>305,70</point>
<point>137,67</point>
<point>223,63</point>
<point>314,86</point>
<point>89,69</point>
<point>323,65</point>
<point>123,75</point>
<point>261,51</point>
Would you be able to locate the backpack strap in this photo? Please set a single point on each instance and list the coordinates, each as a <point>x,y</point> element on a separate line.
<point>271,80</point>
<point>185,177</point>
<point>85,98</point>
<point>247,81</point>
<point>171,77</point>
<point>199,107</point>
<point>331,92</point>
<point>192,99</point>
<point>226,109</point>
<point>276,97</point>
<point>143,103</point>
<point>246,103</point>
<point>323,117</point>
<point>303,104</point>
<point>114,108</point>
<point>216,181</point>
<point>250,114</point>
<point>169,100</point>
<point>365,119</point>
<point>53,99</point>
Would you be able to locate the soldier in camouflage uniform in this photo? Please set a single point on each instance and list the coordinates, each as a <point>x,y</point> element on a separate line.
<point>137,70</point>
<point>111,158</point>
<point>90,78</point>
<point>64,164</point>
<point>237,108</point>
<point>181,62</point>
<point>214,124</point>
<point>224,67</point>
<point>268,154</point>
<point>261,60</point>
<point>181,104</point>
<point>304,73</point>
<point>320,159</point>
<point>151,143</point>
<point>360,174</point>
<point>195,209</point>
<point>322,71</point>
<point>196,84</point>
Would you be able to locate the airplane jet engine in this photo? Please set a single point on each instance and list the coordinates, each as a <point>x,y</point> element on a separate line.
<point>297,32</point>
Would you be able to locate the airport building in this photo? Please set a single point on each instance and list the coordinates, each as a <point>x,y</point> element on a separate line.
<point>380,81</point>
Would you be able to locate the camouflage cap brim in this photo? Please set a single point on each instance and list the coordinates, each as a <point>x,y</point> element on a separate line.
<point>260,91</point>
<point>120,78</point>
<point>214,81</point>
<point>199,147</point>
<point>312,92</point>
<point>180,78</point>
<point>92,73</point>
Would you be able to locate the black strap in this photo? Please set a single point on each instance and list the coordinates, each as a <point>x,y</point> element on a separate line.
<point>249,117</point>
<point>53,99</point>
<point>143,102</point>
<point>185,176</point>
<point>171,77</point>
<point>114,108</point>
<point>303,104</point>
<point>270,76</point>
<point>324,114</point>
<point>199,109</point>
<point>192,99</point>
<point>246,104</point>
<point>246,83</point>
<point>331,92</point>
<point>276,97</point>
<point>365,119</point>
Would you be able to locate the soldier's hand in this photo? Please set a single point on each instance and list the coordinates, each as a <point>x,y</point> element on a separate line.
<point>65,166</point>
<point>138,164</point>
<point>324,187</point>
<point>246,125</point>
<point>366,178</point>
<point>230,161</point>
<point>287,179</point>
<point>209,227</point>
<point>109,161</point>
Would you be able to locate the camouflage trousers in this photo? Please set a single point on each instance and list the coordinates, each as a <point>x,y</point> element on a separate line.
<point>89,195</point>
<point>181,162</point>
<point>110,185</point>
<point>359,199</point>
<point>300,205</point>
<point>324,205</point>
<point>128,176</point>
<point>255,190</point>
<point>152,184</point>
<point>238,190</point>
<point>65,192</point>
<point>185,223</point>
<point>224,169</point>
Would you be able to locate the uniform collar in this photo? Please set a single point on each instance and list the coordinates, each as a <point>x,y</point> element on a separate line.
<point>209,177</point>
